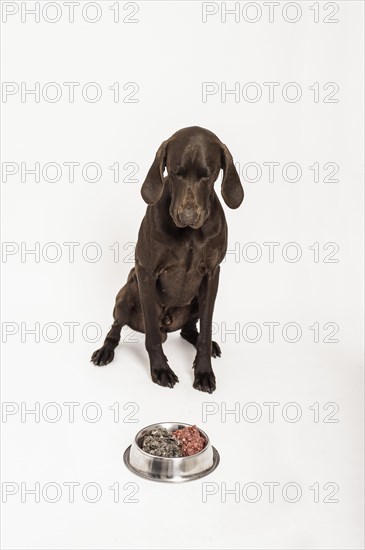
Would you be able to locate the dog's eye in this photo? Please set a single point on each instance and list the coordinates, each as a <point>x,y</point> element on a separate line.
<point>181,172</point>
<point>202,174</point>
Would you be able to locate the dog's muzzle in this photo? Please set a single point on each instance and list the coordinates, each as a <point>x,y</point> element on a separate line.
<point>188,215</point>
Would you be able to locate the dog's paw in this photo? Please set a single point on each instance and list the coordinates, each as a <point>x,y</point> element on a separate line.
<point>102,356</point>
<point>164,376</point>
<point>204,381</point>
<point>216,350</point>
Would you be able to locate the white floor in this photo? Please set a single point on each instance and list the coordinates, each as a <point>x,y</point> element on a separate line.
<point>199,514</point>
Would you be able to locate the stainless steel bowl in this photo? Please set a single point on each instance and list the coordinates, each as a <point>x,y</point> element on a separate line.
<point>173,470</point>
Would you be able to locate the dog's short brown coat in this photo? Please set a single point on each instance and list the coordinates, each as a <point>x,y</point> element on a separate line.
<point>181,242</point>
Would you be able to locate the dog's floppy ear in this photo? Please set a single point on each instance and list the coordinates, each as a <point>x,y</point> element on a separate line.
<point>232,190</point>
<point>152,187</point>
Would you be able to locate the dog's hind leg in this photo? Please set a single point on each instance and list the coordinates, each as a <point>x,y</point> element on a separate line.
<point>190,333</point>
<point>105,354</point>
<point>125,302</point>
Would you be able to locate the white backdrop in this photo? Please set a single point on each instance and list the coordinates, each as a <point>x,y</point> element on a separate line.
<point>108,88</point>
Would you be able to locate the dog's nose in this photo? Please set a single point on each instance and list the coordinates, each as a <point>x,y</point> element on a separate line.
<point>188,215</point>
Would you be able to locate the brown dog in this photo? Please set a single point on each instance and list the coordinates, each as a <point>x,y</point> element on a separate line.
<point>181,242</point>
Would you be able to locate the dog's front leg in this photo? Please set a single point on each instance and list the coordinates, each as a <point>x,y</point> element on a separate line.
<point>160,371</point>
<point>204,379</point>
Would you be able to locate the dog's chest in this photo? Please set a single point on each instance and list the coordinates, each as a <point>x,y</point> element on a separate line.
<point>177,286</point>
<point>181,277</point>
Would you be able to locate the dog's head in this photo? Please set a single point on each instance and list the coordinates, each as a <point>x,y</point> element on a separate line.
<point>193,158</point>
